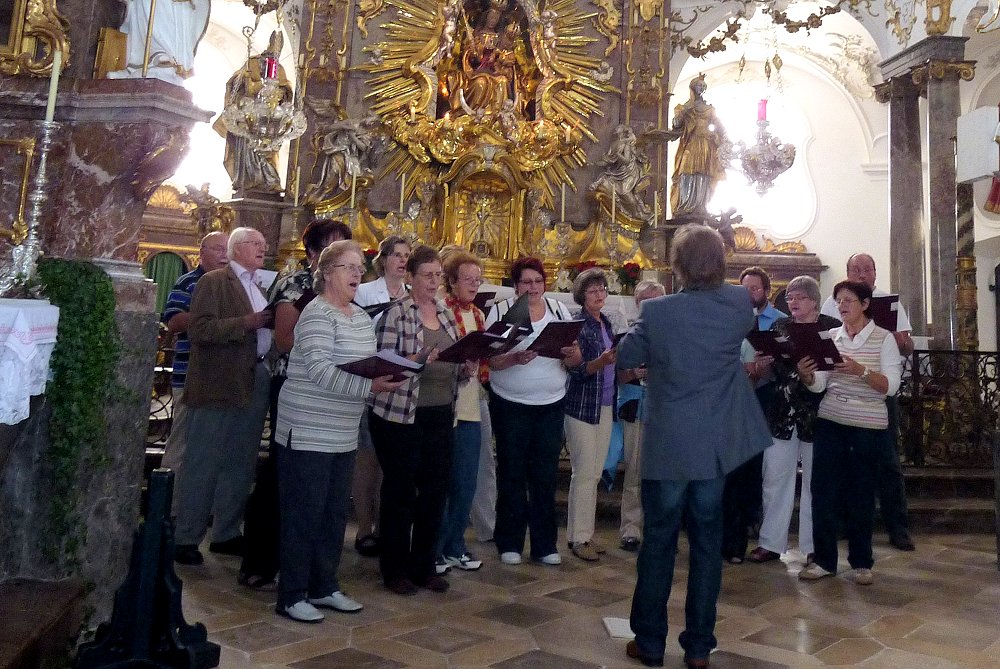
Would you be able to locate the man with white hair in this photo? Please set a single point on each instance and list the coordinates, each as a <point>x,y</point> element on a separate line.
<point>226,391</point>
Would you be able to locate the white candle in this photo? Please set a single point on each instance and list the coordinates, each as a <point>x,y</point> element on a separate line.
<point>614,198</point>
<point>656,206</point>
<point>50,105</point>
<point>402,190</point>
<point>354,186</point>
<point>562,214</point>
<point>298,172</point>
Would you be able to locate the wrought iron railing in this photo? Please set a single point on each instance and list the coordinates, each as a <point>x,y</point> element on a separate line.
<point>949,407</point>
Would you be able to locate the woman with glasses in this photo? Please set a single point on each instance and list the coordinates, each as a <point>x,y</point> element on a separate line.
<point>590,402</point>
<point>463,274</point>
<point>526,407</point>
<point>851,423</point>
<point>319,411</point>
<point>390,265</point>
<point>412,429</point>
<point>791,415</point>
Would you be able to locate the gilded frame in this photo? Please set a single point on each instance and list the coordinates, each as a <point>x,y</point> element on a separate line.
<point>37,31</point>
<point>24,147</point>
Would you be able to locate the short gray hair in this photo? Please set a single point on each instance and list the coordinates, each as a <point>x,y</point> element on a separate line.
<point>240,235</point>
<point>646,286</point>
<point>329,257</point>
<point>698,257</point>
<point>586,279</point>
<point>805,284</point>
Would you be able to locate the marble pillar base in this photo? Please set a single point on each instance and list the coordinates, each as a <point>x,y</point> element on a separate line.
<point>107,491</point>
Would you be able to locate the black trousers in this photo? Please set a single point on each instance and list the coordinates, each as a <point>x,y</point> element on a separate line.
<point>890,484</point>
<point>416,471</point>
<point>741,504</point>
<point>262,519</point>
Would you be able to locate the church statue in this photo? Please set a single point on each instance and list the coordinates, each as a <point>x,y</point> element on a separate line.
<point>346,149</point>
<point>625,173</point>
<point>699,164</point>
<point>207,211</point>
<point>249,168</point>
<point>177,29</point>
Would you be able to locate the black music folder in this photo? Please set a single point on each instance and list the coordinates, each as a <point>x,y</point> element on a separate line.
<point>383,363</point>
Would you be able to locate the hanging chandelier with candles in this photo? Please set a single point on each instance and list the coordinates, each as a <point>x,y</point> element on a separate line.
<point>261,109</point>
<point>768,158</point>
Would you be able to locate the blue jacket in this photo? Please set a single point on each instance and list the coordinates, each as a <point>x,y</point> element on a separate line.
<point>701,418</point>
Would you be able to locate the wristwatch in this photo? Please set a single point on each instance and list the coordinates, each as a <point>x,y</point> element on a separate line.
<point>865,374</point>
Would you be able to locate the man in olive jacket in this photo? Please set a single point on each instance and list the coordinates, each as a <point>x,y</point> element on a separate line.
<point>226,390</point>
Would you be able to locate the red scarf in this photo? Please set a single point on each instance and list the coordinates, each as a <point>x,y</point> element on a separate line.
<point>452,303</point>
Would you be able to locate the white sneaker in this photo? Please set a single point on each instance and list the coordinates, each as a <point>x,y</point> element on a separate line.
<point>863,576</point>
<point>510,557</point>
<point>338,601</point>
<point>465,562</point>
<point>441,566</point>
<point>551,559</point>
<point>303,611</point>
<point>813,573</point>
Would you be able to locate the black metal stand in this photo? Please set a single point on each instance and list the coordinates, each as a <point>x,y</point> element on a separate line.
<point>147,627</point>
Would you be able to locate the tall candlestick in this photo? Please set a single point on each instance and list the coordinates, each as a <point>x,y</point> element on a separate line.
<point>656,206</point>
<point>614,199</point>
<point>402,190</point>
<point>354,187</point>
<point>562,213</point>
<point>762,110</point>
<point>298,173</point>
<point>50,105</point>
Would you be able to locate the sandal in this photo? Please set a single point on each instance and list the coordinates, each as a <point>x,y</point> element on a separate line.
<point>367,545</point>
<point>257,582</point>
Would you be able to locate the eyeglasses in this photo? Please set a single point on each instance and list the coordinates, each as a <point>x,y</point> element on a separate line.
<point>428,275</point>
<point>471,280</point>
<point>798,298</point>
<point>257,243</point>
<point>532,282</point>
<point>356,269</point>
<point>399,256</point>
<point>600,290</point>
<point>846,300</point>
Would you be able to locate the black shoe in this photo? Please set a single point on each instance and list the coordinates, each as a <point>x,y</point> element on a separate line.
<point>632,650</point>
<point>434,584</point>
<point>630,544</point>
<point>902,542</point>
<point>367,546</point>
<point>188,554</point>
<point>232,546</point>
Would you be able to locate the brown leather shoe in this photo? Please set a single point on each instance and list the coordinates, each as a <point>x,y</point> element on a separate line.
<point>761,554</point>
<point>632,650</point>
<point>695,662</point>
<point>585,551</point>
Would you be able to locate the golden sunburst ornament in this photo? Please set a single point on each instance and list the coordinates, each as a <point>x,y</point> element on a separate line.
<point>504,81</point>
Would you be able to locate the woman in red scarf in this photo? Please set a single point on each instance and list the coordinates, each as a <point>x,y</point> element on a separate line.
<point>463,274</point>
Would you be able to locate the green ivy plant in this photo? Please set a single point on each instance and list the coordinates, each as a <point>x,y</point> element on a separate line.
<point>83,367</point>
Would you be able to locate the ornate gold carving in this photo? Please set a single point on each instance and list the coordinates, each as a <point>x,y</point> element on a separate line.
<point>746,239</point>
<point>112,49</point>
<point>608,22</point>
<point>367,10</point>
<point>649,8</point>
<point>160,163</point>
<point>902,26</point>
<point>783,247</point>
<point>941,70</point>
<point>942,24</point>
<point>189,254</point>
<point>34,21</point>
<point>25,148</point>
<point>166,197</point>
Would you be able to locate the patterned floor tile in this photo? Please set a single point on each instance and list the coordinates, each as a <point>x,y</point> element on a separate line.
<point>443,639</point>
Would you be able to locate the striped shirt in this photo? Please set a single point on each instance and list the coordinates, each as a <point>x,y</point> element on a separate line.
<point>320,405</point>
<point>179,302</point>
<point>401,331</point>
<point>849,400</point>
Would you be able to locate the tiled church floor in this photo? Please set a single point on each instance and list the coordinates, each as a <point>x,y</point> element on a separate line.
<point>934,608</point>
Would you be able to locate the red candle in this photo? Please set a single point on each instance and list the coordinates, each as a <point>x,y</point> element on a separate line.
<point>270,67</point>
<point>762,110</point>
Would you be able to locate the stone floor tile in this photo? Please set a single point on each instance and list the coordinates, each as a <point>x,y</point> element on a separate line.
<point>442,639</point>
<point>348,658</point>
<point>849,652</point>
<point>539,659</point>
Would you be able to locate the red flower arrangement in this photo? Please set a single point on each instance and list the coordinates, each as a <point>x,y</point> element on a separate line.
<point>629,273</point>
<point>370,260</point>
<point>577,268</point>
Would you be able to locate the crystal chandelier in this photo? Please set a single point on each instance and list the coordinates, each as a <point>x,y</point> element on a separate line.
<point>764,161</point>
<point>262,111</point>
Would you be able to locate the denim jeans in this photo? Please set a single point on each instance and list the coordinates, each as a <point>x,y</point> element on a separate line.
<point>461,490</point>
<point>529,438</point>
<point>664,503</point>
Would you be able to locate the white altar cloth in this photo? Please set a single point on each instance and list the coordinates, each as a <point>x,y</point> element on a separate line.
<point>27,337</point>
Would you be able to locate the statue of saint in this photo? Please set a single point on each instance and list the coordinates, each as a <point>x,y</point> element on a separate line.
<point>698,166</point>
<point>346,149</point>
<point>625,171</point>
<point>178,26</point>
<point>250,169</point>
